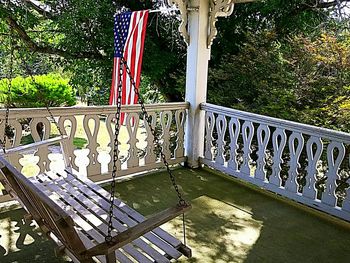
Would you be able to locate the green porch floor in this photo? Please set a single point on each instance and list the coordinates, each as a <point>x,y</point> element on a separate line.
<point>229,222</point>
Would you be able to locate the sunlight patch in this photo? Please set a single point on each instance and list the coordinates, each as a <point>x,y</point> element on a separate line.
<point>230,230</point>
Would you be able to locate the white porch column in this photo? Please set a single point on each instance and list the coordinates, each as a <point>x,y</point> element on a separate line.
<point>198,55</point>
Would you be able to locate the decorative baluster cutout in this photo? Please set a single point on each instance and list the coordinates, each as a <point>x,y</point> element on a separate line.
<point>209,128</point>
<point>166,118</point>
<point>42,152</point>
<point>263,136</point>
<point>234,128</point>
<point>346,202</point>
<point>132,125</point>
<point>15,157</point>
<point>247,134</point>
<point>94,167</point>
<point>150,156</point>
<point>110,124</point>
<point>279,139</point>
<point>221,125</point>
<point>328,196</point>
<point>69,148</point>
<point>313,157</point>
<point>180,118</point>
<point>291,183</point>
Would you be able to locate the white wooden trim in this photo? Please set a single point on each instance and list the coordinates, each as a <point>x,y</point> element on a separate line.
<point>288,125</point>
<point>73,111</point>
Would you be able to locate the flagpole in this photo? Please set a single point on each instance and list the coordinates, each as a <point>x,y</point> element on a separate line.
<point>162,10</point>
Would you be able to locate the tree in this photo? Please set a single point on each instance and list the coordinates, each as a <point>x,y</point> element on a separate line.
<point>78,37</point>
<point>302,78</point>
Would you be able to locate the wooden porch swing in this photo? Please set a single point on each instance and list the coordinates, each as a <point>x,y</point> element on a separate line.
<point>88,223</point>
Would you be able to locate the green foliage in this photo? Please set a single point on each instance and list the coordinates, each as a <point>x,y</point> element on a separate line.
<point>300,78</point>
<point>46,90</point>
<point>269,57</point>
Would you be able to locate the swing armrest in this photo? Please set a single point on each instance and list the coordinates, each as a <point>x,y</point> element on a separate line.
<point>34,145</point>
<point>136,231</point>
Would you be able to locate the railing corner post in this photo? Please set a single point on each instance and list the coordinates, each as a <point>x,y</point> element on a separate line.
<point>198,55</point>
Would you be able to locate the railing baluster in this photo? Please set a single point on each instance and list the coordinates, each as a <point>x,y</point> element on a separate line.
<point>132,125</point>
<point>263,135</point>
<point>43,152</point>
<point>346,202</point>
<point>234,128</point>
<point>328,196</point>
<point>166,118</point>
<point>94,167</point>
<point>180,118</point>
<point>221,126</point>
<point>110,129</point>
<point>294,165</point>
<point>14,158</point>
<point>150,156</point>
<point>247,134</point>
<point>291,177</point>
<point>209,127</point>
<point>313,157</point>
<point>73,128</point>
<point>279,139</point>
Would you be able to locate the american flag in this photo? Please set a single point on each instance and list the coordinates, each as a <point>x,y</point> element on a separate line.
<point>129,38</point>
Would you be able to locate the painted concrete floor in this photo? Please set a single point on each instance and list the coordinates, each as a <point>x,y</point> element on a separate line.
<point>229,222</point>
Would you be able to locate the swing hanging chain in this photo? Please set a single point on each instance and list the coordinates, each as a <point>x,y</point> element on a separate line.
<point>156,140</point>
<point>108,238</point>
<point>8,99</point>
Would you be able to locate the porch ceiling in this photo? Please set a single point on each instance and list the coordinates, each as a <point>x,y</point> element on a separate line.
<point>229,222</point>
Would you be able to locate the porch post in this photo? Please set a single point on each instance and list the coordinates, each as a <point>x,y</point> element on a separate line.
<point>199,30</point>
<point>198,55</point>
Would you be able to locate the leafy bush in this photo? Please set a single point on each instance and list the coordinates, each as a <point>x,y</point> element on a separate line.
<point>300,78</point>
<point>46,90</point>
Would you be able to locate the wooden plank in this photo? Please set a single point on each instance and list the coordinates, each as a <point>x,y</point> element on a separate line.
<point>124,207</point>
<point>121,216</point>
<point>103,215</point>
<point>89,218</point>
<point>98,237</point>
<point>141,228</point>
<point>34,145</point>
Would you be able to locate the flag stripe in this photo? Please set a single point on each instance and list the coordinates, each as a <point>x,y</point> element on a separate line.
<point>130,32</point>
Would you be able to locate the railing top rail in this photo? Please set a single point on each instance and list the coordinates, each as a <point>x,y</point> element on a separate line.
<point>288,125</point>
<point>71,111</point>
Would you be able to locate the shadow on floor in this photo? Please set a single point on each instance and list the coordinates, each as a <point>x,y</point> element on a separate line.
<point>22,242</point>
<point>229,222</point>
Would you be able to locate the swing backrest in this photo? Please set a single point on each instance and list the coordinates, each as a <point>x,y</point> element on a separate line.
<point>50,217</point>
<point>62,140</point>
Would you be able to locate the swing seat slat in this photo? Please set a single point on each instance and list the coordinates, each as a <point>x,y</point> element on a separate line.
<point>73,211</point>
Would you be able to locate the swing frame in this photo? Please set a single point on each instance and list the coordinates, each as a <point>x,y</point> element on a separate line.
<point>63,227</point>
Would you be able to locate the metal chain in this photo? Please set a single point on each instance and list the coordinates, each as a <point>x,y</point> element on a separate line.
<point>181,201</point>
<point>156,140</point>
<point>108,238</point>
<point>7,113</point>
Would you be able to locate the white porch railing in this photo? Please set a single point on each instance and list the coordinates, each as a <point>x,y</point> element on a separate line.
<point>302,162</point>
<point>95,127</point>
